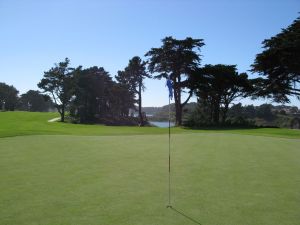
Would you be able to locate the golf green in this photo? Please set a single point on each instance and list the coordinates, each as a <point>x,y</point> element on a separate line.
<point>217,179</point>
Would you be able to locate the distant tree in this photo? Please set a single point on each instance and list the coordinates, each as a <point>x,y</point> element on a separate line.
<point>249,111</point>
<point>132,78</point>
<point>279,65</point>
<point>236,110</point>
<point>8,97</point>
<point>282,112</point>
<point>217,86</point>
<point>58,82</point>
<point>264,111</point>
<point>34,101</point>
<point>176,59</point>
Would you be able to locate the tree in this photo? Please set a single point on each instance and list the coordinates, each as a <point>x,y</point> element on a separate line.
<point>8,97</point>
<point>58,82</point>
<point>176,59</point>
<point>249,111</point>
<point>217,86</point>
<point>91,91</point>
<point>264,111</point>
<point>121,100</point>
<point>132,78</point>
<point>279,65</point>
<point>34,101</point>
<point>236,111</point>
<point>97,97</point>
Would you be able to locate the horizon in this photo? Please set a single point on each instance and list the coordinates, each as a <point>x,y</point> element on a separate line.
<point>107,34</point>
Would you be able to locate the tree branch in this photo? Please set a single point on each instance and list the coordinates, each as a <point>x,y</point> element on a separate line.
<point>186,101</point>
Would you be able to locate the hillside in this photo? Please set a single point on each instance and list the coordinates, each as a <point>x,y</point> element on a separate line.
<point>162,113</point>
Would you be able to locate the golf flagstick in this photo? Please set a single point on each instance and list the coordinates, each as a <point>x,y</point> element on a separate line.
<point>170,86</point>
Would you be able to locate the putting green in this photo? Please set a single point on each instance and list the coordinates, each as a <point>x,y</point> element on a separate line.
<point>217,179</point>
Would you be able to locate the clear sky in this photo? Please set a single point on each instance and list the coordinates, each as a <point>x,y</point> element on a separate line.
<point>35,34</point>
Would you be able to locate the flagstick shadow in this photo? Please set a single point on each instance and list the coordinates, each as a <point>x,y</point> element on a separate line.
<point>184,215</point>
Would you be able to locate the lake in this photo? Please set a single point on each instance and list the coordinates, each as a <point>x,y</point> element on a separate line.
<point>161,124</point>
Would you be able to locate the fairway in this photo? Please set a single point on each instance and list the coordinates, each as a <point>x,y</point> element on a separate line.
<point>217,178</point>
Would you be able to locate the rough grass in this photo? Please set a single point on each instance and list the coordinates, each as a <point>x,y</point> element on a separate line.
<point>29,123</point>
<point>217,179</point>
<point>33,123</point>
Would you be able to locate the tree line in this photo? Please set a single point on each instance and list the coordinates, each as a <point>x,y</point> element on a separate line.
<point>265,115</point>
<point>32,100</point>
<point>91,95</point>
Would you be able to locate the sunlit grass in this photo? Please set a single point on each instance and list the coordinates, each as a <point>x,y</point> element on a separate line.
<point>216,179</point>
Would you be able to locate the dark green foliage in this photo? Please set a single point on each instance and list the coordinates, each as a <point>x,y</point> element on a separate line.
<point>132,79</point>
<point>295,123</point>
<point>249,111</point>
<point>8,97</point>
<point>99,99</point>
<point>34,101</point>
<point>265,115</point>
<point>91,87</point>
<point>199,118</point>
<point>216,86</point>
<point>265,112</point>
<point>58,82</point>
<point>279,65</point>
<point>176,59</point>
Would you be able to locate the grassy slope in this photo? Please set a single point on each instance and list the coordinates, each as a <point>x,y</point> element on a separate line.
<point>29,123</point>
<point>25,123</point>
<point>217,179</point>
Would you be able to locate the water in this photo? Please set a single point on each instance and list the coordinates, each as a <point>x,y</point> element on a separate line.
<point>161,124</point>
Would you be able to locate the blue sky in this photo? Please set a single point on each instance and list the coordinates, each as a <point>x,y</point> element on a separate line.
<point>37,34</point>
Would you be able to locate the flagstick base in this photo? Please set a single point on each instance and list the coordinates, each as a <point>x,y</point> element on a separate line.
<point>169,206</point>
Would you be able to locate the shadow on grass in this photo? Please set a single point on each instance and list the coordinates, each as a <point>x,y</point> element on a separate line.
<point>184,215</point>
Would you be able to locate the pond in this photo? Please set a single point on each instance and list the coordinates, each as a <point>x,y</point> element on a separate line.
<point>162,124</point>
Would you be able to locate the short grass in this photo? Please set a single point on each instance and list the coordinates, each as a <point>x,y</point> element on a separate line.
<point>216,179</point>
<point>55,173</point>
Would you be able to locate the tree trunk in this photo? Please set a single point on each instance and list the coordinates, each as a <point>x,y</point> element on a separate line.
<point>224,114</point>
<point>179,116</point>
<point>216,113</point>
<point>140,105</point>
<point>177,98</point>
<point>211,110</point>
<point>62,115</point>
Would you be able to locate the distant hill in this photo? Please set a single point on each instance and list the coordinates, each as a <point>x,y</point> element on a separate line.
<point>151,110</point>
<point>162,113</point>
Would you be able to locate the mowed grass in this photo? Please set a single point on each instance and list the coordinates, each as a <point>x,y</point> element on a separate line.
<point>216,179</point>
<point>66,174</point>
